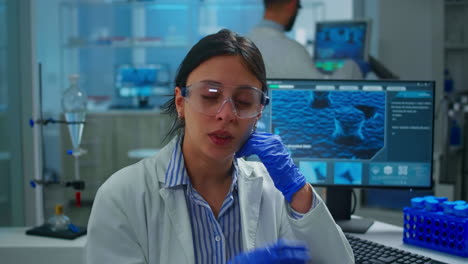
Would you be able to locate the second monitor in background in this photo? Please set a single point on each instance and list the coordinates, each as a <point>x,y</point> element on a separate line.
<point>136,85</point>
<point>338,41</point>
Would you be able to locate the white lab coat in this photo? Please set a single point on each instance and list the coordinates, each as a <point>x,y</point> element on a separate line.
<point>135,219</point>
<point>283,57</point>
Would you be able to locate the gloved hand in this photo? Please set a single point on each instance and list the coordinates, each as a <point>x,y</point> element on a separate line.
<point>274,155</point>
<point>282,252</point>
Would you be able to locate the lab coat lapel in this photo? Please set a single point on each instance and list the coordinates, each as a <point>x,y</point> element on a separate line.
<point>250,193</point>
<point>176,208</point>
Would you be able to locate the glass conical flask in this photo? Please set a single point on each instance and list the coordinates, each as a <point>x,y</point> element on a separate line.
<point>74,103</point>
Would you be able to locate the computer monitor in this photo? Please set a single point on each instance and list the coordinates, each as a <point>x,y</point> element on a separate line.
<point>337,41</point>
<point>141,82</point>
<point>345,134</point>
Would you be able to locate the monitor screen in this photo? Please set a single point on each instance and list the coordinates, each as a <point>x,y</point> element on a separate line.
<point>355,133</point>
<point>141,80</point>
<point>336,41</point>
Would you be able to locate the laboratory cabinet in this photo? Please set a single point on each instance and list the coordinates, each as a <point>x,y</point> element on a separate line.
<point>5,186</point>
<point>455,103</point>
<point>113,140</point>
<point>4,147</point>
<point>102,39</point>
<point>3,56</point>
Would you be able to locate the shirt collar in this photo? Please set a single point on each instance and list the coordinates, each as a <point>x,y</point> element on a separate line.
<point>235,173</point>
<point>271,24</point>
<point>176,174</point>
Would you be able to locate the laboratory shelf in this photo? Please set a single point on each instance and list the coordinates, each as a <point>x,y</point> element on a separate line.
<point>127,45</point>
<point>158,3</point>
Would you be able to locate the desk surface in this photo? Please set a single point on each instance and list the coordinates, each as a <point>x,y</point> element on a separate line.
<point>392,236</point>
<point>17,247</point>
<point>16,237</point>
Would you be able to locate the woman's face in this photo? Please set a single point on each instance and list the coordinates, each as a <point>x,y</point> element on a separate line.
<point>216,137</point>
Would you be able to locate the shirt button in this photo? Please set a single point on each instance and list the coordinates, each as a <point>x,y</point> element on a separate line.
<point>217,238</point>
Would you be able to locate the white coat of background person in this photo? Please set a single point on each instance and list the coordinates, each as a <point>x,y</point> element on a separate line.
<point>285,57</point>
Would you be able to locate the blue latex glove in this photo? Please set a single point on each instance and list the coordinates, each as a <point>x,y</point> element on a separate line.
<point>282,252</point>
<point>274,155</point>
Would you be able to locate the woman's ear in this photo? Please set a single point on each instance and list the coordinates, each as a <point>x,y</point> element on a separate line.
<point>179,102</point>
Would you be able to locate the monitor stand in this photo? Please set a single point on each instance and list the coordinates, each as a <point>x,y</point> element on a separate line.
<point>339,204</point>
<point>143,102</point>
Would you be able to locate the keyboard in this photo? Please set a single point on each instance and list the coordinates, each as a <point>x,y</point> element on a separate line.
<point>366,251</point>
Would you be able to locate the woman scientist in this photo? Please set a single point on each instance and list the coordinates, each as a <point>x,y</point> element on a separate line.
<point>196,201</point>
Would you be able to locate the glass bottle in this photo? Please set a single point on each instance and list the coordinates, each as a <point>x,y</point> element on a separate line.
<point>448,82</point>
<point>58,222</point>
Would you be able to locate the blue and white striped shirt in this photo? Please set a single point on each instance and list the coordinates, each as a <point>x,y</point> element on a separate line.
<point>215,240</point>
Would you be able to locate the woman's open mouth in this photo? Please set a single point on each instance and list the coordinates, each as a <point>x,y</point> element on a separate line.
<point>221,138</point>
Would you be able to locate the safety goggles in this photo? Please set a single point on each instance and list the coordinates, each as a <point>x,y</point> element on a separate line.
<point>210,97</point>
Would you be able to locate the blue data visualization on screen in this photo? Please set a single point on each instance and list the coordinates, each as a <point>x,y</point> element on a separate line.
<point>355,133</point>
<point>341,40</point>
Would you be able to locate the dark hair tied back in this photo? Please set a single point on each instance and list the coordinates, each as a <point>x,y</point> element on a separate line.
<point>224,42</point>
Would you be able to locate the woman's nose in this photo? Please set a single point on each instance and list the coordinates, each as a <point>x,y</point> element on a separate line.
<point>227,110</point>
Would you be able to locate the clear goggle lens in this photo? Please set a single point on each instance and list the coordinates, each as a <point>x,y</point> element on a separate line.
<point>209,98</point>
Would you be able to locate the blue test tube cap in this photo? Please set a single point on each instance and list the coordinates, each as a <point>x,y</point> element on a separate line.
<point>461,210</point>
<point>432,205</point>
<point>70,152</point>
<point>73,228</point>
<point>441,199</point>
<point>447,207</point>
<point>459,202</point>
<point>417,202</point>
<point>31,123</point>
